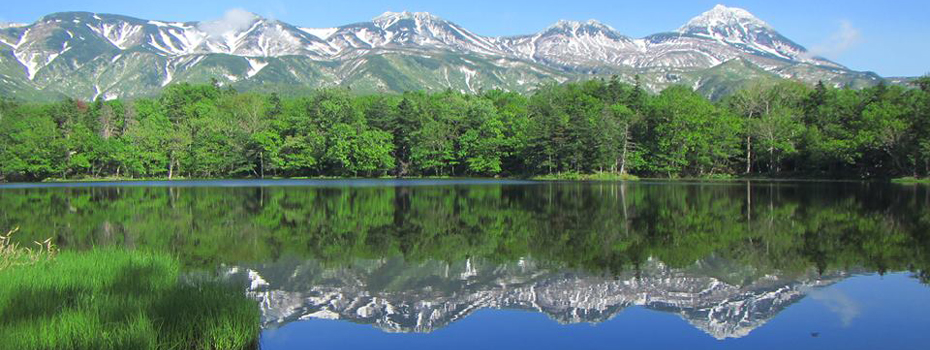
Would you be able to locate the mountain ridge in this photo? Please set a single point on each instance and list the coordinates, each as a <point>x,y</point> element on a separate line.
<point>89,55</point>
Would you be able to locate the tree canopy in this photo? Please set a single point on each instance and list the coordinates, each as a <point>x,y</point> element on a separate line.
<point>206,131</point>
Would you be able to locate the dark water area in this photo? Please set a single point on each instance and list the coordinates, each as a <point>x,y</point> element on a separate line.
<point>476,264</point>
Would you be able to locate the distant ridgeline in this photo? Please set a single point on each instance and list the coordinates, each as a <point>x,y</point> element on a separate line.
<point>88,56</point>
<point>598,126</point>
<point>601,228</point>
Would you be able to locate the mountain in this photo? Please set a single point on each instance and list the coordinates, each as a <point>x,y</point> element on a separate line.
<point>89,56</point>
<point>574,45</point>
<point>399,296</point>
<point>739,29</point>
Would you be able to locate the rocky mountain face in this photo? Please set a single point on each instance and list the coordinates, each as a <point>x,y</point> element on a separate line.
<point>91,56</point>
<point>398,296</point>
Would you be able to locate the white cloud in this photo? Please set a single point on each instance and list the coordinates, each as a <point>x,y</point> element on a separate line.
<point>234,20</point>
<point>839,303</point>
<point>843,39</point>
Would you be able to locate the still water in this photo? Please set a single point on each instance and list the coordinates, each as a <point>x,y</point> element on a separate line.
<point>393,264</point>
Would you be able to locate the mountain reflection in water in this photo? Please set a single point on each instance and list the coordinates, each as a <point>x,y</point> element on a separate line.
<point>396,296</point>
<point>420,256</point>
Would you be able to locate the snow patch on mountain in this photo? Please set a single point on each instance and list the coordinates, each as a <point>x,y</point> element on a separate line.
<point>575,26</point>
<point>322,33</point>
<point>176,40</point>
<point>19,43</point>
<point>389,18</point>
<point>255,66</point>
<point>470,75</point>
<point>723,16</point>
<point>169,75</point>
<point>32,61</point>
<point>173,65</point>
<point>117,34</point>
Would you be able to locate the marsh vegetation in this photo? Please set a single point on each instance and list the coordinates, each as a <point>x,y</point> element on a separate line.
<point>117,299</point>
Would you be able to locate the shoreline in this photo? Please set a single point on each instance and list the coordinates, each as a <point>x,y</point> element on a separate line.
<point>540,179</point>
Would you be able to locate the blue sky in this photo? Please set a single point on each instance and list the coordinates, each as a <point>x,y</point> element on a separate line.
<point>887,37</point>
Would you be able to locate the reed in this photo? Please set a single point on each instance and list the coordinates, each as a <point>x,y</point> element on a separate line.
<point>12,254</point>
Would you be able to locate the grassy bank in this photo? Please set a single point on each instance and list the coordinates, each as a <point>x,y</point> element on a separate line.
<point>601,176</point>
<point>568,176</point>
<point>114,299</point>
<point>177,178</point>
<point>911,180</point>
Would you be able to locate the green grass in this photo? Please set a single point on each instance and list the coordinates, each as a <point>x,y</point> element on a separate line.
<point>911,180</point>
<point>112,179</point>
<point>599,176</point>
<point>116,299</point>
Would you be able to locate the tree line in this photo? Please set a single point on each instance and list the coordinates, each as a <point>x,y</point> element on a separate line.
<point>604,125</point>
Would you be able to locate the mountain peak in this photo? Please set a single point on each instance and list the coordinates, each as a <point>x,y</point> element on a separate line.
<point>574,25</point>
<point>723,16</point>
<point>4,25</point>
<point>389,18</point>
<point>739,28</point>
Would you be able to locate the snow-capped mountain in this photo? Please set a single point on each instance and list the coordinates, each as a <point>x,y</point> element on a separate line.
<point>260,38</point>
<point>89,55</point>
<point>398,296</point>
<point>409,30</point>
<point>571,44</point>
<point>740,29</point>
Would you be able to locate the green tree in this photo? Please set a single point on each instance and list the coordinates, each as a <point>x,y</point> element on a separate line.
<point>31,146</point>
<point>482,144</point>
<point>689,135</point>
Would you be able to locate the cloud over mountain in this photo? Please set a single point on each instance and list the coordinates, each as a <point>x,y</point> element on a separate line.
<point>234,20</point>
<point>843,39</point>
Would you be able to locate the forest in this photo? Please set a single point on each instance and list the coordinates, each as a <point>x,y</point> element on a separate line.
<point>601,126</point>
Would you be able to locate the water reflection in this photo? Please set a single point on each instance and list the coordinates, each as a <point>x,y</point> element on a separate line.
<point>414,256</point>
<point>838,302</point>
<point>397,296</point>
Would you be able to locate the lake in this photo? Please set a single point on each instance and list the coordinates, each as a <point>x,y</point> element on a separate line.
<point>484,264</point>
